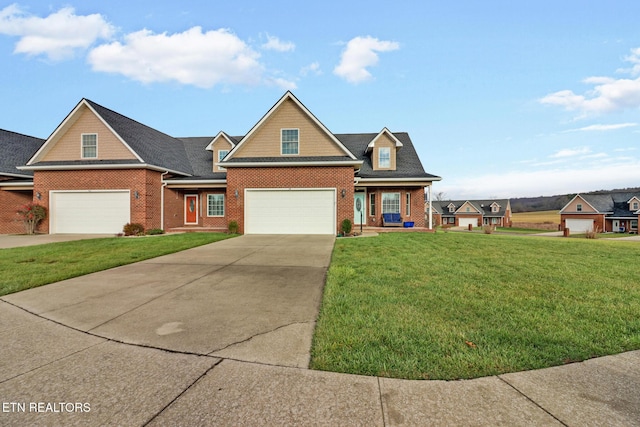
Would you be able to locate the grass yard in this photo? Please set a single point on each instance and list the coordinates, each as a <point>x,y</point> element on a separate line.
<point>464,305</point>
<point>31,266</point>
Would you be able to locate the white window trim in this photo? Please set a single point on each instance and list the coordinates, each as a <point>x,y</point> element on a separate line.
<point>372,204</point>
<point>282,142</point>
<point>82,156</point>
<point>223,205</point>
<point>380,150</point>
<point>408,204</point>
<point>220,157</point>
<point>579,207</point>
<point>399,202</point>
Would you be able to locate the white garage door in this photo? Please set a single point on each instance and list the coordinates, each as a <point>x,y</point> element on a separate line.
<point>464,222</point>
<point>295,211</point>
<point>89,212</point>
<point>579,225</point>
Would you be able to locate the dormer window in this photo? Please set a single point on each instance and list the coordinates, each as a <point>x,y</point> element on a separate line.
<point>89,145</point>
<point>289,141</point>
<point>384,157</point>
<point>452,208</point>
<point>495,208</point>
<point>634,206</point>
<point>222,154</point>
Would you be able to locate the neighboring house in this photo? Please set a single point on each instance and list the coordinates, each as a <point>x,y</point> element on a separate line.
<point>462,213</point>
<point>289,174</point>
<point>16,186</point>
<point>612,212</point>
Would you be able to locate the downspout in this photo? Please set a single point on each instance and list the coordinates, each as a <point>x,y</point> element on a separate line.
<point>430,209</point>
<point>164,184</point>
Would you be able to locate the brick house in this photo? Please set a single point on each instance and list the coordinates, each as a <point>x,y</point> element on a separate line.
<point>477,213</point>
<point>616,212</point>
<point>289,174</point>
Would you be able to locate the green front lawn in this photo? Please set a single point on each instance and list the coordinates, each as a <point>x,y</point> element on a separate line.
<point>30,266</point>
<point>465,305</point>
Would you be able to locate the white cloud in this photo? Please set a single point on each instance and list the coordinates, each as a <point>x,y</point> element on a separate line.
<point>191,57</point>
<point>57,36</point>
<point>360,53</point>
<point>568,152</point>
<point>274,43</point>
<point>311,68</point>
<point>607,95</point>
<point>603,127</point>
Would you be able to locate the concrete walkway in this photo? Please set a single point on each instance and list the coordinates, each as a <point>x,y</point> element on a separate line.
<point>220,335</point>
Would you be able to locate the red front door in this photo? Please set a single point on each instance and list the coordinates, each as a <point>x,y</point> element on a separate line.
<point>191,209</point>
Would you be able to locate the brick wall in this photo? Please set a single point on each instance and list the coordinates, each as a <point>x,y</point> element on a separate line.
<point>289,177</point>
<point>144,210</point>
<point>417,205</point>
<point>10,202</point>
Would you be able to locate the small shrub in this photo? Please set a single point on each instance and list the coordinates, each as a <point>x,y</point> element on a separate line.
<point>592,234</point>
<point>346,226</point>
<point>155,231</point>
<point>233,227</point>
<point>446,227</point>
<point>489,229</point>
<point>133,229</point>
<point>32,214</point>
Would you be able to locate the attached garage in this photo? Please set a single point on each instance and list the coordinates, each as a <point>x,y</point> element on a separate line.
<point>465,222</point>
<point>290,211</point>
<point>89,212</point>
<point>579,225</point>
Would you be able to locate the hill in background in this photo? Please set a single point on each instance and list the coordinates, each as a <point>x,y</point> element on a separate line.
<point>551,203</point>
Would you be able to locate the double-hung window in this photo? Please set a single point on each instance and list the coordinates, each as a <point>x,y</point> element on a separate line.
<point>384,157</point>
<point>222,154</point>
<point>390,203</point>
<point>372,204</point>
<point>215,204</point>
<point>408,204</point>
<point>89,145</point>
<point>579,207</point>
<point>290,141</point>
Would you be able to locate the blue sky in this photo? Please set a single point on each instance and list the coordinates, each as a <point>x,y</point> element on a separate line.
<point>501,98</point>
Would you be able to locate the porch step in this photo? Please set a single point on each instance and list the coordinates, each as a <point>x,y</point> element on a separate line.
<point>195,229</point>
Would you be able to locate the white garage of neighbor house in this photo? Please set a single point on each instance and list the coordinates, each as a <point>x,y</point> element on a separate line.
<point>290,211</point>
<point>89,212</point>
<point>466,222</point>
<point>579,225</point>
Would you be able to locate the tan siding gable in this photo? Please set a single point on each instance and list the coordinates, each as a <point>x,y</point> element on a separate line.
<point>465,205</point>
<point>573,206</point>
<point>67,145</point>
<point>265,141</point>
<point>384,141</point>
<point>219,144</point>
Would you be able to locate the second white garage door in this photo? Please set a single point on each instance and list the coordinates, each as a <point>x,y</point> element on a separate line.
<point>293,211</point>
<point>579,225</point>
<point>465,222</point>
<point>89,212</point>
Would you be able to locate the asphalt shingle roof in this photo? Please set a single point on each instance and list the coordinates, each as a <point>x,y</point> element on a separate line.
<point>614,204</point>
<point>484,206</point>
<point>16,150</point>
<point>154,147</point>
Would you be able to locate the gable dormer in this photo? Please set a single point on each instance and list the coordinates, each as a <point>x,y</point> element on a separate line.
<point>82,136</point>
<point>383,149</point>
<point>467,207</point>
<point>220,146</point>
<point>495,207</point>
<point>634,204</point>
<point>289,130</point>
<point>451,208</point>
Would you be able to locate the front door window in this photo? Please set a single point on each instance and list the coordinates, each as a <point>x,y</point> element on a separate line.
<point>359,211</point>
<point>191,209</point>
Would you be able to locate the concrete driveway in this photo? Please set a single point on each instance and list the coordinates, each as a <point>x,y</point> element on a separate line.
<point>251,298</point>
